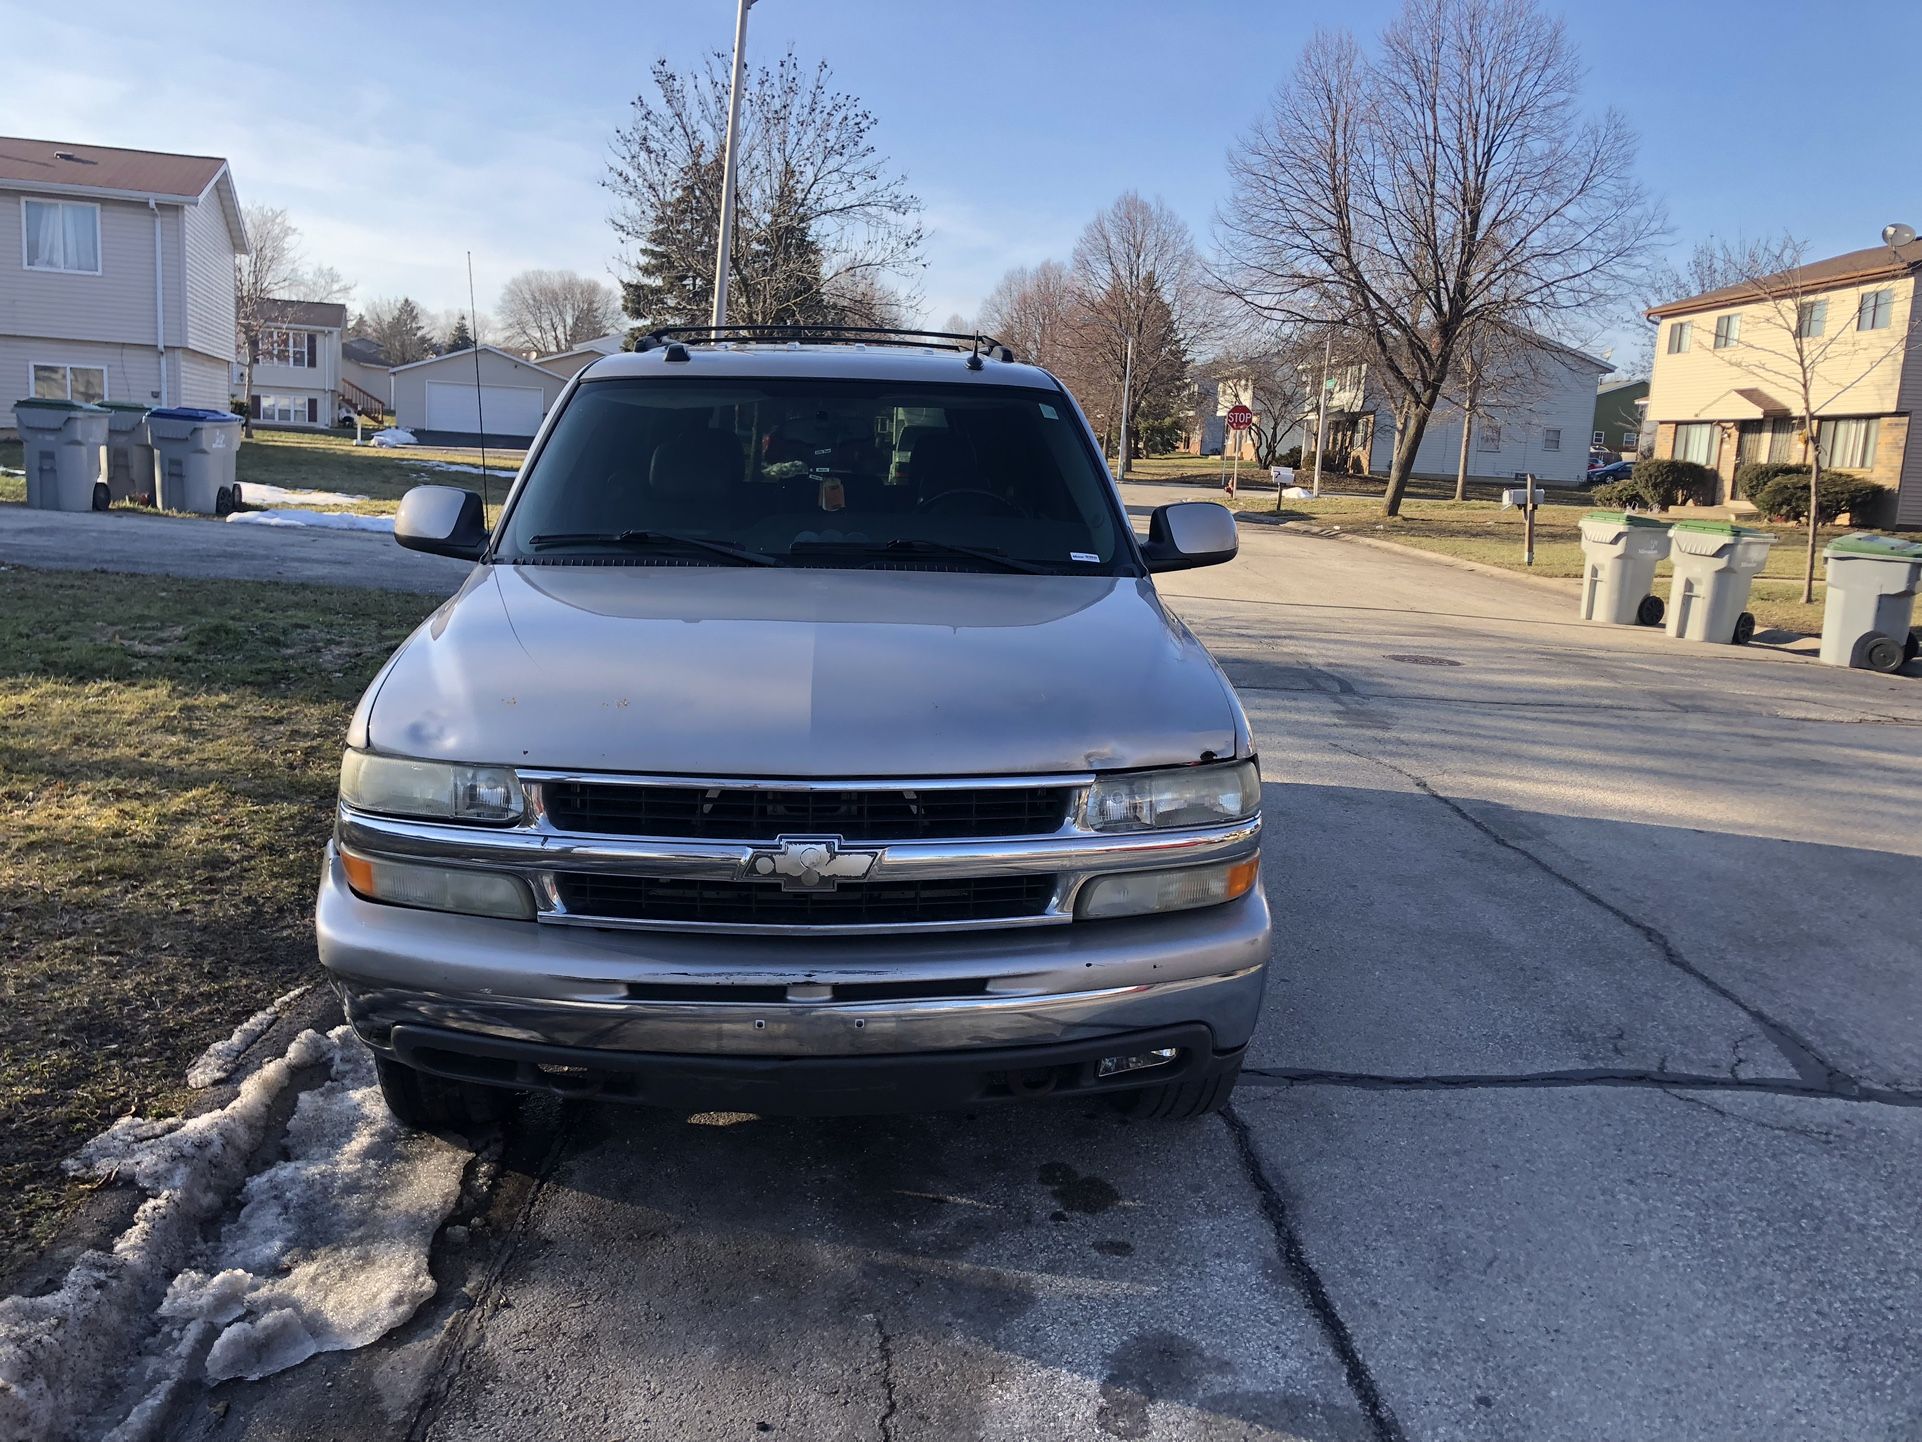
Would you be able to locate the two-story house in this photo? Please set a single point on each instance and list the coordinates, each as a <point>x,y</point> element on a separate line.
<point>297,374</point>
<point>123,285</point>
<point>1727,386</point>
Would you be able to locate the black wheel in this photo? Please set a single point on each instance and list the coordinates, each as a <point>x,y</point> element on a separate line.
<point>1181,1100</point>
<point>1911,646</point>
<point>223,502</point>
<point>234,500</point>
<point>1650,612</point>
<point>102,497</point>
<point>1876,652</point>
<point>1744,629</point>
<point>427,1103</point>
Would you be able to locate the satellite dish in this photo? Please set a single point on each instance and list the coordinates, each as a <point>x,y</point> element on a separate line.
<point>1898,234</point>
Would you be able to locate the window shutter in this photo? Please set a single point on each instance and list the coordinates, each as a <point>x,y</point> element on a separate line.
<point>313,409</point>
<point>312,350</point>
<point>253,405</point>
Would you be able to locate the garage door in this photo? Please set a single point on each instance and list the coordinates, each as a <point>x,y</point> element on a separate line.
<point>508,410</point>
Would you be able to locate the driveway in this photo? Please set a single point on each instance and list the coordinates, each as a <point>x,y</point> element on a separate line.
<point>1584,1105</point>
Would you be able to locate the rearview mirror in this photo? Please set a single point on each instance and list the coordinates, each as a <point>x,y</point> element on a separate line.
<point>1189,534</point>
<point>443,520</point>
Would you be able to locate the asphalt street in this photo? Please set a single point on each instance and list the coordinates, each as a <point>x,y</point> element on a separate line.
<point>1585,1105</point>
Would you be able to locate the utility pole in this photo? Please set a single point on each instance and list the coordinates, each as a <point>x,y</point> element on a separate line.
<point>1127,381</point>
<point>1321,408</point>
<point>723,249</point>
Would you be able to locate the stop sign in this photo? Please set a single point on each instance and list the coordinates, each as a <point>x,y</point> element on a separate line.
<point>1240,418</point>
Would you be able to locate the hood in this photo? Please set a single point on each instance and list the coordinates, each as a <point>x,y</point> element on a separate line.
<point>726,671</point>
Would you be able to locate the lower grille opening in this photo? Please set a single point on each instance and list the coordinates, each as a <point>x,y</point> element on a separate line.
<point>760,903</point>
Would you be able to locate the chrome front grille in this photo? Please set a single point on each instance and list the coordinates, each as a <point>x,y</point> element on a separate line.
<point>759,903</point>
<point>760,813</point>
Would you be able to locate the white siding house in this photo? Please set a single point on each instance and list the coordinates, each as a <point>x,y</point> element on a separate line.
<point>116,275</point>
<point>466,394</point>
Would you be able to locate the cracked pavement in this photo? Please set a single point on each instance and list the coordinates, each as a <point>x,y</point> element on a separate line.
<point>1586,1103</point>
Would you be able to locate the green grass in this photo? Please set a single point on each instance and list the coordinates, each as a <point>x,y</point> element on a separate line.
<point>168,750</point>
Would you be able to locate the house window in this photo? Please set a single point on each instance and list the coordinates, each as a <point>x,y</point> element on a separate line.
<point>1728,330</point>
<point>1551,438</point>
<point>1781,432</point>
<point>70,383</point>
<point>1811,318</point>
<point>1678,336</point>
<point>1850,444</point>
<point>1873,310</point>
<point>1630,440</point>
<point>1596,439</point>
<point>296,348</point>
<point>61,235</point>
<point>286,410</point>
<point>1489,437</point>
<point>1695,442</point>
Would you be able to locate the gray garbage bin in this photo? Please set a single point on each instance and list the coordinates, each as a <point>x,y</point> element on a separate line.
<point>1715,562</point>
<point>1872,585</point>
<point>194,452</point>
<point>129,469</point>
<point>62,441</point>
<point>1620,551</point>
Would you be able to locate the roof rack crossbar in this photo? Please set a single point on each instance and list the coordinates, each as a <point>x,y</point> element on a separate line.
<point>972,342</point>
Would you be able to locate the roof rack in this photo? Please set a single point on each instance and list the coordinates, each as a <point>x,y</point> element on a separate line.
<point>973,343</point>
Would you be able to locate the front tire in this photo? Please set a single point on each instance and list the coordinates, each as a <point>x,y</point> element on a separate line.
<point>1180,1101</point>
<point>423,1102</point>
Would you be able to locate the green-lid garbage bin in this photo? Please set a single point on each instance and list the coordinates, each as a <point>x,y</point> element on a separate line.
<point>1871,600</point>
<point>1620,551</point>
<point>62,441</point>
<point>129,469</point>
<point>194,453</point>
<point>1715,561</point>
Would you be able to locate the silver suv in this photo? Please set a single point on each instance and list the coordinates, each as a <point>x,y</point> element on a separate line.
<point>808,738</point>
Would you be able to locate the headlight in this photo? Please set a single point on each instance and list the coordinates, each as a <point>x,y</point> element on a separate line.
<point>1138,893</point>
<point>1186,796</point>
<point>397,786</point>
<point>438,888</point>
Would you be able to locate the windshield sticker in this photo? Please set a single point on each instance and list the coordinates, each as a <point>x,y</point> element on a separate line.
<point>1084,556</point>
<point>1050,412</point>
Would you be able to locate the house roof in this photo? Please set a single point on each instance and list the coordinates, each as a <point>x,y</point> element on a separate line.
<point>453,354</point>
<point>363,351</point>
<point>1873,263</point>
<point>1609,390</point>
<point>321,314</point>
<point>59,167</point>
<point>614,342</point>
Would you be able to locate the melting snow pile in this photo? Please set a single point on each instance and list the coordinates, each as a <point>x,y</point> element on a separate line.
<point>329,1251</point>
<point>394,436</point>
<point>218,1061</point>
<point>458,466</point>
<point>327,520</point>
<point>255,494</point>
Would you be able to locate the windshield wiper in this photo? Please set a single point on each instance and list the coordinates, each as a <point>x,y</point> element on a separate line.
<point>900,547</point>
<point>639,539</point>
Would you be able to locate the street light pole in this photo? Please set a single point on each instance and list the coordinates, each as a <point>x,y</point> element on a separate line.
<point>1321,408</point>
<point>1127,381</point>
<point>724,247</point>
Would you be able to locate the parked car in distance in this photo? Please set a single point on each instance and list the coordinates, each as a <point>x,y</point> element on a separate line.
<point>808,737</point>
<point>1613,471</point>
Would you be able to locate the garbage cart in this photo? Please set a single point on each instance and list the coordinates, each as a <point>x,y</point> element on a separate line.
<point>129,471</point>
<point>1872,585</point>
<point>194,452</point>
<point>1621,550</point>
<point>1715,561</point>
<point>62,441</point>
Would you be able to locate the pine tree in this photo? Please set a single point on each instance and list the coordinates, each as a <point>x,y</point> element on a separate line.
<point>406,339</point>
<point>460,338</point>
<point>672,284</point>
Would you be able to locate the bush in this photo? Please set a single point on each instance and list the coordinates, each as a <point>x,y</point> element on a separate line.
<point>1752,478</point>
<point>1673,483</point>
<point>1620,495</point>
<point>1786,497</point>
<point>1291,458</point>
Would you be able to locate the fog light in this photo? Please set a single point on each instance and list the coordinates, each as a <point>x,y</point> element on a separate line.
<point>1139,893</point>
<point>1115,1065</point>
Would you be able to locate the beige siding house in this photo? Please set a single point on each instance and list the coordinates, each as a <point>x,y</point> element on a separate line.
<point>116,275</point>
<point>300,376</point>
<point>1727,390</point>
<point>572,362</point>
<point>467,394</point>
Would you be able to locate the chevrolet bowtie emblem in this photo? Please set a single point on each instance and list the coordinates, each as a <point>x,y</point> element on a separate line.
<point>809,863</point>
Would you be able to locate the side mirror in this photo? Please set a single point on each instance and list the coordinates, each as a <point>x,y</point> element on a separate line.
<point>443,520</point>
<point>1189,534</point>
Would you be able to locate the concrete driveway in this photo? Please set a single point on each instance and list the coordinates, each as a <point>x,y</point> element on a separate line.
<point>1584,1106</point>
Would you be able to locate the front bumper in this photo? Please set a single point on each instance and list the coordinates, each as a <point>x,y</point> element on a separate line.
<point>603,990</point>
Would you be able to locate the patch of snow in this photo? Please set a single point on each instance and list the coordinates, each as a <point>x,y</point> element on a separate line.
<point>218,1061</point>
<point>1297,493</point>
<point>327,520</point>
<point>9,471</point>
<point>394,436</point>
<point>458,466</point>
<point>329,1251</point>
<point>255,494</point>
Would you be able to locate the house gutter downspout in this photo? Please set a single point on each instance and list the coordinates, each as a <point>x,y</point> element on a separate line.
<point>159,303</point>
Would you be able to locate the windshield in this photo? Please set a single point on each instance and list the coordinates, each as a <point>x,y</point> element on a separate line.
<point>811,472</point>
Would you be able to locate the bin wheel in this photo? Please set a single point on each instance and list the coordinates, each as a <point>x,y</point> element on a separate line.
<point>1911,647</point>
<point>1876,652</point>
<point>102,497</point>
<point>234,496</point>
<point>1744,629</point>
<point>223,502</point>
<point>1650,612</point>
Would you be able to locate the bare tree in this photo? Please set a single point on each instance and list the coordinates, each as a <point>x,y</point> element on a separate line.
<point>819,216</point>
<point>1497,369</point>
<point>398,328</point>
<point>262,275</point>
<point>1446,181</point>
<point>1031,310</point>
<point>1785,336</point>
<point>1275,375</point>
<point>320,283</point>
<point>547,311</point>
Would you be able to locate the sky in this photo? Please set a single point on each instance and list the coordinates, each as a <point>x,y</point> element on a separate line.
<point>400,136</point>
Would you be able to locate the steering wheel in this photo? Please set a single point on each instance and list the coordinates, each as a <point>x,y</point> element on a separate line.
<point>999,505</point>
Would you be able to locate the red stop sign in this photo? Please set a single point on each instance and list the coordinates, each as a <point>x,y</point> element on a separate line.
<point>1240,418</point>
